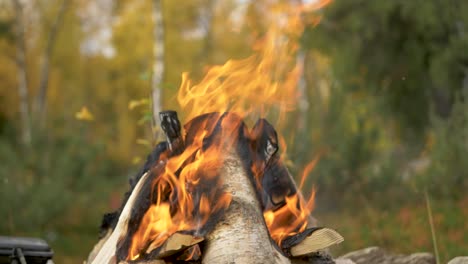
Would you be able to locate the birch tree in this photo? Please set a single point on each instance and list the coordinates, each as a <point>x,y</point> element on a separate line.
<point>23,93</point>
<point>158,63</point>
<point>40,104</point>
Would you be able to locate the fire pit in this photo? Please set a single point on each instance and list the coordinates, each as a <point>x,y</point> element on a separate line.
<point>218,194</point>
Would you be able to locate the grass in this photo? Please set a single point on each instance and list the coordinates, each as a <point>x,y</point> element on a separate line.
<point>403,230</point>
<point>403,227</point>
<point>431,223</point>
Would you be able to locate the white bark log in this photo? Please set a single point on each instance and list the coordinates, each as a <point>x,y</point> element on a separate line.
<point>98,246</point>
<point>107,253</point>
<point>242,236</point>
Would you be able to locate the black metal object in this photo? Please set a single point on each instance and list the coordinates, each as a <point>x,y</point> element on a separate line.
<point>24,250</point>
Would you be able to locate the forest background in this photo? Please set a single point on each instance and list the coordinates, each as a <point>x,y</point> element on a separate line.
<point>384,105</point>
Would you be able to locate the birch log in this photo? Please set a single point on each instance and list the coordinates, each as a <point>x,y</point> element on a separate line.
<point>107,252</point>
<point>242,236</point>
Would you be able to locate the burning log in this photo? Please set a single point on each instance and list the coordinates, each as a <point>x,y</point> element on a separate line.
<point>170,124</point>
<point>310,241</point>
<point>242,236</point>
<point>273,178</point>
<point>174,244</point>
<point>107,253</point>
<point>221,194</point>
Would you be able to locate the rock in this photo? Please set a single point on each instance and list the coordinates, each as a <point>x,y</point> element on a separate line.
<point>378,255</point>
<point>344,261</point>
<point>459,260</point>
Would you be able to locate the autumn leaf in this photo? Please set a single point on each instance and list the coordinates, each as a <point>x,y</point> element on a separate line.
<point>143,142</point>
<point>135,103</point>
<point>84,114</point>
<point>136,160</point>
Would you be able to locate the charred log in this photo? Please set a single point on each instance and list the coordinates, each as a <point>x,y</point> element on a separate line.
<point>170,124</point>
<point>174,146</point>
<point>208,178</point>
<point>273,179</point>
<point>246,167</point>
<point>107,254</point>
<point>109,220</point>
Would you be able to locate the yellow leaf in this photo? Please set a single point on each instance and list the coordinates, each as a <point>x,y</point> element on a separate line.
<point>143,142</point>
<point>136,160</point>
<point>135,103</point>
<point>84,114</point>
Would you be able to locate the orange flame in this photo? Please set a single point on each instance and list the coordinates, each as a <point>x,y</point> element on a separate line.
<point>178,205</point>
<point>255,86</point>
<point>290,219</point>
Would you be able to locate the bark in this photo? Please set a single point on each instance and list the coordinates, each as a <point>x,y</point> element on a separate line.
<point>21,74</point>
<point>158,65</point>
<point>242,236</point>
<point>40,105</point>
<point>108,251</point>
<point>98,246</point>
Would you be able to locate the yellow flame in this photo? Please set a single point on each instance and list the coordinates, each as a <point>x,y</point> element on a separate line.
<point>264,82</point>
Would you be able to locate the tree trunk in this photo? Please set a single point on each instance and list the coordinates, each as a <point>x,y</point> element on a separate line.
<point>40,105</point>
<point>242,236</point>
<point>205,53</point>
<point>22,75</point>
<point>158,64</point>
<point>302,89</point>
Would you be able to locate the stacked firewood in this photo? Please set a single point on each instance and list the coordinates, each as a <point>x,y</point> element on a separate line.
<point>250,175</point>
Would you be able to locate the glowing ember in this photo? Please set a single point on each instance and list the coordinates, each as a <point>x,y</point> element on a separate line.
<point>187,190</point>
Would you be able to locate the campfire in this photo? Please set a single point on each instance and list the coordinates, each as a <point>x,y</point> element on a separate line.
<point>218,191</point>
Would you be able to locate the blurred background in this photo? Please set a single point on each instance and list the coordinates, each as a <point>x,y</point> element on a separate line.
<point>384,105</point>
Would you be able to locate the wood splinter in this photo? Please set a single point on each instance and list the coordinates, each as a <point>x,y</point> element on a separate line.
<point>310,241</point>
<point>176,243</point>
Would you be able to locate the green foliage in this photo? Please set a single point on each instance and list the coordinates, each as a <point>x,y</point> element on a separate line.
<point>412,54</point>
<point>61,182</point>
<point>404,229</point>
<point>448,173</point>
<point>382,114</point>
